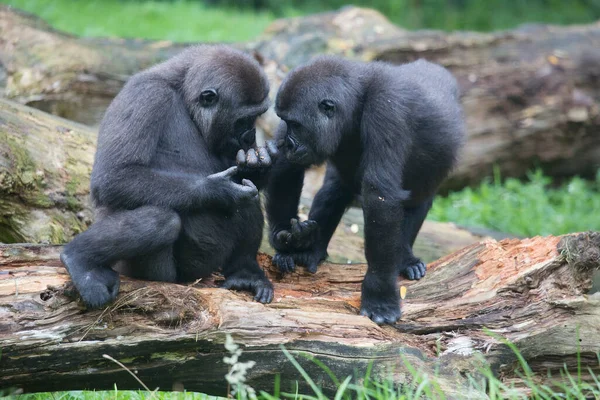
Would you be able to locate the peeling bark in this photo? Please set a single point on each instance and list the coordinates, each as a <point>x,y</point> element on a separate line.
<point>535,292</point>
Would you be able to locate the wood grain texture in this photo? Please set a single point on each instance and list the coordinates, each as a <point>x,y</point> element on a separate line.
<point>535,292</point>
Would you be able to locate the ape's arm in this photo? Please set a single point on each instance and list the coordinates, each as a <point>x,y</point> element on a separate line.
<point>123,176</point>
<point>283,191</point>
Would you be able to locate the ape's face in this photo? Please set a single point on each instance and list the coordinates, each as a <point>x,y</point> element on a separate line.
<point>316,110</point>
<point>225,99</point>
<point>300,143</point>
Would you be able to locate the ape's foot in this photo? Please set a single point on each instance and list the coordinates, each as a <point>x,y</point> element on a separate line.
<point>380,298</point>
<point>97,286</point>
<point>414,270</point>
<point>259,285</point>
<point>381,311</point>
<point>286,262</point>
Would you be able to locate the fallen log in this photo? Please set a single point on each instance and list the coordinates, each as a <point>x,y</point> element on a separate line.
<point>75,78</point>
<point>45,164</point>
<point>534,292</point>
<point>531,95</point>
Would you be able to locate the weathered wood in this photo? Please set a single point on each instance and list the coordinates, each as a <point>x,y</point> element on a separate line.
<point>535,292</point>
<point>45,162</point>
<point>72,77</point>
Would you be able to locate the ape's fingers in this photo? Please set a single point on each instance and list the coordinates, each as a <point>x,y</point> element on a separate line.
<point>240,158</point>
<point>249,184</point>
<point>295,226</point>
<point>312,267</point>
<point>271,147</point>
<point>283,237</point>
<point>252,158</point>
<point>264,157</point>
<point>280,144</point>
<point>229,172</point>
<point>310,225</point>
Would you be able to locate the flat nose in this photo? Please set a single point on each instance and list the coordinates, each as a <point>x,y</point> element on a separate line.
<point>290,143</point>
<point>248,138</point>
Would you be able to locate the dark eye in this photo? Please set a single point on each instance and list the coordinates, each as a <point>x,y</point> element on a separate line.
<point>327,107</point>
<point>208,97</point>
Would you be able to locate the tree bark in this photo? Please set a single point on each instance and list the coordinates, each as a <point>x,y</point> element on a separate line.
<point>536,292</point>
<point>75,78</point>
<point>531,95</point>
<point>45,164</point>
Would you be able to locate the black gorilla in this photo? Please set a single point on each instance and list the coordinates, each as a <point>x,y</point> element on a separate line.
<point>171,206</point>
<point>390,134</point>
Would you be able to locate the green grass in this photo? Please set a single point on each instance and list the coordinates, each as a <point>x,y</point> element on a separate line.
<point>528,208</point>
<point>181,21</point>
<point>193,21</point>
<point>116,395</point>
<point>568,385</point>
<point>481,15</point>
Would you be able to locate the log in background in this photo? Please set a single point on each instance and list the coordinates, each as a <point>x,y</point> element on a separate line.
<point>531,95</point>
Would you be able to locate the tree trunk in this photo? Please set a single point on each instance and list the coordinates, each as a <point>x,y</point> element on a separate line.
<point>530,95</point>
<point>534,292</point>
<point>75,78</point>
<point>45,164</point>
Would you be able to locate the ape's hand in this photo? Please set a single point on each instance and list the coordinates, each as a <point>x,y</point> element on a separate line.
<point>258,159</point>
<point>301,236</point>
<point>221,190</point>
<point>298,246</point>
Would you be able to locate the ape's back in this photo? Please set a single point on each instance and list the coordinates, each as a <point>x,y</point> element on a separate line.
<point>427,98</point>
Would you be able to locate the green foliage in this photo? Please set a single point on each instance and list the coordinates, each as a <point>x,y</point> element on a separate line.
<point>446,14</point>
<point>116,395</point>
<point>527,208</point>
<point>420,385</point>
<point>233,20</point>
<point>182,21</point>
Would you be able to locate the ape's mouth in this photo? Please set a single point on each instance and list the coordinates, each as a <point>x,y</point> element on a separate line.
<point>300,156</point>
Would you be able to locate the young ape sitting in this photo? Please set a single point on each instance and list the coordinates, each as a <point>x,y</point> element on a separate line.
<point>390,134</point>
<point>171,205</point>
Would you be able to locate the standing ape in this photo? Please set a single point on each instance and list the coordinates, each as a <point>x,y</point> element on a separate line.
<point>390,134</point>
<point>171,206</point>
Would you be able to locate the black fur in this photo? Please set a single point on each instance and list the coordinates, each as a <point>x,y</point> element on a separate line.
<point>390,134</point>
<point>171,204</point>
